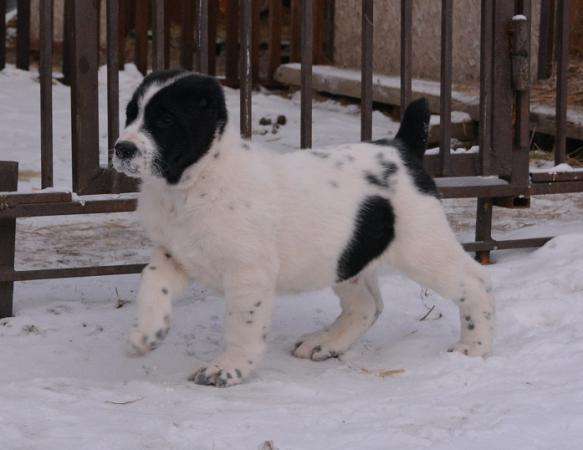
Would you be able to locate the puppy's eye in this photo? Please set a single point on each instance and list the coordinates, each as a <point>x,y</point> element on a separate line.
<point>165,121</point>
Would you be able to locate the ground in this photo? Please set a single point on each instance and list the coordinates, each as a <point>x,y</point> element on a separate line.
<point>66,380</point>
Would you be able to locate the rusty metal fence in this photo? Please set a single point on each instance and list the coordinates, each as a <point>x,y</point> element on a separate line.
<point>498,175</point>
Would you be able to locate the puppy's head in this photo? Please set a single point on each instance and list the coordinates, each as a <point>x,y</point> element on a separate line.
<point>172,121</point>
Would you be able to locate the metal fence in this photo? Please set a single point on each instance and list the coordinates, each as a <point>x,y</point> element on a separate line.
<point>498,175</point>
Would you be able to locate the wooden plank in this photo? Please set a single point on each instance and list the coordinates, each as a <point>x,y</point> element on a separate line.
<point>8,182</point>
<point>484,227</point>
<point>142,17</point>
<point>546,177</point>
<point>505,245</point>
<point>474,187</point>
<point>69,208</point>
<point>46,91</point>
<point>23,34</point>
<point>9,200</point>
<point>84,95</point>
<point>306,87</point>
<point>366,71</point>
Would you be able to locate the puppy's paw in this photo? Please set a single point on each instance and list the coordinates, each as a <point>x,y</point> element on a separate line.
<point>316,348</point>
<point>223,372</point>
<point>141,343</point>
<point>473,350</point>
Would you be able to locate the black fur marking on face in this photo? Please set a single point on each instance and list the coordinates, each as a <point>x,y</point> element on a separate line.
<point>374,230</point>
<point>183,119</point>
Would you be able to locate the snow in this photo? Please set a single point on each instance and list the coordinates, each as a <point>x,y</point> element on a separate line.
<point>519,17</point>
<point>66,381</point>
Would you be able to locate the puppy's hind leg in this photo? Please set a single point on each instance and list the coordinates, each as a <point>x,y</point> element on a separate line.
<point>361,303</point>
<point>437,261</point>
<point>162,280</point>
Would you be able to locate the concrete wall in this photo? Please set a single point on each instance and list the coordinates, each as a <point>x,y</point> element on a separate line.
<point>426,37</point>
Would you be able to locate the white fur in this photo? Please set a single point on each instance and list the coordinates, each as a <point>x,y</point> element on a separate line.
<point>251,224</point>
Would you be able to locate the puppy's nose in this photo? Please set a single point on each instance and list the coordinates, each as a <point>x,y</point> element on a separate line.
<point>125,149</point>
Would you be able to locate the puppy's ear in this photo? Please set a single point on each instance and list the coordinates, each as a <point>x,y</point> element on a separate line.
<point>415,127</point>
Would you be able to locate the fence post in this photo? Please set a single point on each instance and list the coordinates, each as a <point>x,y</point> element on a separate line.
<point>484,227</point>
<point>2,34</point>
<point>8,182</point>
<point>23,35</point>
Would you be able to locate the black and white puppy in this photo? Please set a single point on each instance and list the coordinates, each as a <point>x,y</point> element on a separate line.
<point>252,223</point>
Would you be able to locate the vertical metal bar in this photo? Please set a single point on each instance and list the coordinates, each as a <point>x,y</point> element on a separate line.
<point>202,30</point>
<point>406,53</point>
<point>232,44</point>
<point>520,159</point>
<point>296,20</point>
<point>319,10</point>
<point>122,14</point>
<point>112,23</point>
<point>256,41</point>
<point>562,88</point>
<point>502,91</point>
<point>245,77</point>
<point>484,227</point>
<point>329,32</point>
<point>2,34</point>
<point>274,37</point>
<point>23,34</point>
<point>167,30</point>
<point>142,25</point>
<point>446,81</point>
<point>366,71</point>
<point>187,47</point>
<point>213,15</point>
<point>485,137</point>
<point>46,91</point>
<point>546,38</point>
<point>84,94</point>
<point>158,26</point>
<point>8,182</point>
<point>306,73</point>
<point>67,41</point>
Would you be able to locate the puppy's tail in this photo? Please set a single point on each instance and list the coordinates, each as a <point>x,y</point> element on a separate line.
<point>415,127</point>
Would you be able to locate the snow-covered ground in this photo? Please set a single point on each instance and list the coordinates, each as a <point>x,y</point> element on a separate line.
<point>67,383</point>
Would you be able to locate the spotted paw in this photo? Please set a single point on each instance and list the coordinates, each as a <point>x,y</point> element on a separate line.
<point>470,349</point>
<point>142,343</point>
<point>221,375</point>
<point>315,349</point>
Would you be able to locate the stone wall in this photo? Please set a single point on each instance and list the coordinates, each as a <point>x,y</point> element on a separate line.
<point>426,37</point>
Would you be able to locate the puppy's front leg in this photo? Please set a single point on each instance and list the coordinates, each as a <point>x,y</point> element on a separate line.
<point>162,280</point>
<point>249,297</point>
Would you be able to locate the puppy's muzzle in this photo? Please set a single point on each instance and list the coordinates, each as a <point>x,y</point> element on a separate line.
<point>125,150</point>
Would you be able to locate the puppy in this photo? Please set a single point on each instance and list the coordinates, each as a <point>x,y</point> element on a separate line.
<point>252,223</point>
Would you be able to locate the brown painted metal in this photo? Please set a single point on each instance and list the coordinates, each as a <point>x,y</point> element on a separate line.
<point>84,95</point>
<point>67,41</point>
<point>23,34</point>
<point>167,30</point>
<point>8,182</point>
<point>69,208</point>
<point>484,227</point>
<point>319,17</point>
<point>245,74</point>
<point>406,53</point>
<point>307,40</point>
<point>366,71</point>
<point>112,25</point>
<point>275,19</point>
<point>486,39</point>
<point>47,274</point>
<point>545,177</point>
<point>142,17</point>
<point>122,31</point>
<point>2,35</point>
<point>232,44</point>
<point>256,40</point>
<point>329,32</point>
<point>521,50</point>
<point>187,47</point>
<point>159,26</point>
<point>446,82</point>
<point>9,200</point>
<point>562,69</point>
<point>213,19</point>
<point>202,35</point>
<point>506,245</point>
<point>46,91</point>
<point>546,39</point>
<point>296,26</point>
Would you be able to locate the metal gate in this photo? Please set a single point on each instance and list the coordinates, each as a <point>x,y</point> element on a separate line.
<point>498,175</point>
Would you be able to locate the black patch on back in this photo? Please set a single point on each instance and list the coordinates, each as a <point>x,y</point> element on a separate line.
<point>374,230</point>
<point>183,119</point>
<point>421,178</point>
<point>387,169</point>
